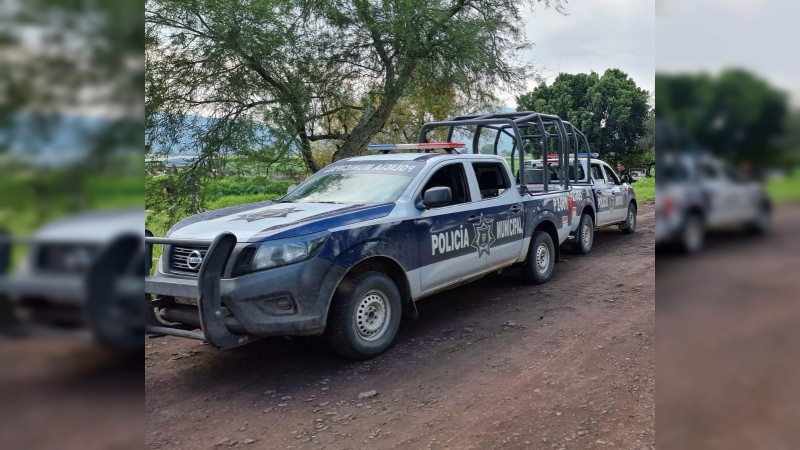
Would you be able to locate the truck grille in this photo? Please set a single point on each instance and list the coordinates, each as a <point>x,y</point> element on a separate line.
<point>65,258</point>
<point>185,259</point>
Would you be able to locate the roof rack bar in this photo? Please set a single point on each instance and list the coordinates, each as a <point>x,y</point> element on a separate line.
<point>467,122</point>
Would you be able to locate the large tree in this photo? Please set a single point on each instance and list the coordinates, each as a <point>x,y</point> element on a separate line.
<point>735,114</point>
<point>328,70</point>
<point>611,110</point>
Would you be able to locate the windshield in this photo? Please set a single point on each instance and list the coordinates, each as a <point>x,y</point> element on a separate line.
<point>380,182</point>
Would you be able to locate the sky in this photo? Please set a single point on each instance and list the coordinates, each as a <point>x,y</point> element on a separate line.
<point>592,35</point>
<point>710,35</point>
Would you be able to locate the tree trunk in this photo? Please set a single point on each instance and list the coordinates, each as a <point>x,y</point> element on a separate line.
<point>373,120</point>
<point>305,150</point>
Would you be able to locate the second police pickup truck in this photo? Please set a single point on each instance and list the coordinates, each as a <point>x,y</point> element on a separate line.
<point>600,197</point>
<point>351,249</point>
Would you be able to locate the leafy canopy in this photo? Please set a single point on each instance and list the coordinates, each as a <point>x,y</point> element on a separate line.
<point>734,114</point>
<point>611,110</point>
<point>320,71</point>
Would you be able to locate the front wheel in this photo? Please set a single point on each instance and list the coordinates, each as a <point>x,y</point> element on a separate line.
<point>538,268</point>
<point>364,316</point>
<point>629,226</point>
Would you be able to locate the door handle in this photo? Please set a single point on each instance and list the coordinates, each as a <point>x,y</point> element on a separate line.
<point>516,208</point>
<point>474,218</point>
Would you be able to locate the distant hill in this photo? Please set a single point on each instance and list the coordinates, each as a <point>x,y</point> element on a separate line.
<point>185,144</point>
<point>53,140</point>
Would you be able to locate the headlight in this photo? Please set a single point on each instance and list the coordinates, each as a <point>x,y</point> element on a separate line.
<point>280,253</point>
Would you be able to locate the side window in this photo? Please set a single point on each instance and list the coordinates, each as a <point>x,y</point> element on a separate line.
<point>597,173</point>
<point>610,175</point>
<point>492,179</point>
<point>734,175</point>
<point>571,174</point>
<point>708,172</point>
<point>454,177</point>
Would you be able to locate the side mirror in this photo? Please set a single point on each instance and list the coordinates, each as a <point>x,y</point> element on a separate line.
<point>291,188</point>
<point>624,179</point>
<point>436,196</point>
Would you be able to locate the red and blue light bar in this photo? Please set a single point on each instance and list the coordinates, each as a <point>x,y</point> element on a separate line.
<point>554,156</point>
<point>423,146</point>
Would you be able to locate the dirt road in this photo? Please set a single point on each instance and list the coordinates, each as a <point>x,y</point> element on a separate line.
<point>729,340</point>
<point>492,364</point>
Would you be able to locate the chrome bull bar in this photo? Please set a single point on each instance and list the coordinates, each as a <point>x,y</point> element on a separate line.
<point>206,289</point>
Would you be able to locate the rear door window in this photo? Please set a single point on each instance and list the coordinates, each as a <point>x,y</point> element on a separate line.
<point>492,179</point>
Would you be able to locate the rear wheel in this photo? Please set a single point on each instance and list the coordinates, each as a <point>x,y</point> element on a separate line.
<point>762,223</point>
<point>538,268</point>
<point>629,226</point>
<point>584,237</point>
<point>364,316</point>
<point>693,233</point>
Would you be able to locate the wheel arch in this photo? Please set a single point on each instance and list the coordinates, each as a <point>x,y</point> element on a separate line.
<point>589,209</point>
<point>549,227</point>
<point>388,266</point>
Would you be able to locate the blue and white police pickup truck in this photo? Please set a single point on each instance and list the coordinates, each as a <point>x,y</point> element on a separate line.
<point>351,249</point>
<point>598,196</point>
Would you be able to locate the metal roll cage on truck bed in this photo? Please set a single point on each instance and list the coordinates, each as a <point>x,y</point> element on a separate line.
<point>223,306</point>
<point>510,124</point>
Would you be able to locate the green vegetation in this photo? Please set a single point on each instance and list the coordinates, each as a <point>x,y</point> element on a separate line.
<point>31,199</point>
<point>214,193</point>
<point>645,189</point>
<point>736,114</point>
<point>787,189</point>
<point>323,72</point>
<point>610,109</point>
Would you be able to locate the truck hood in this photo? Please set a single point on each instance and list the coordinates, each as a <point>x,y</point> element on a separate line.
<point>100,226</point>
<point>269,220</point>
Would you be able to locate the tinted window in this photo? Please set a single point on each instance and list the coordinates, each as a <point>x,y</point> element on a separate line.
<point>451,176</point>
<point>597,173</point>
<point>708,172</point>
<point>492,179</point>
<point>610,175</point>
<point>734,175</point>
<point>534,172</point>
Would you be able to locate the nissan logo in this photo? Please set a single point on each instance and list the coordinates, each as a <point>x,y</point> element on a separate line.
<point>194,260</point>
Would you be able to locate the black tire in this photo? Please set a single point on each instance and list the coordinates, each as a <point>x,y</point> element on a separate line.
<point>692,234</point>
<point>359,299</point>
<point>585,235</point>
<point>763,221</point>
<point>629,225</point>
<point>541,261</point>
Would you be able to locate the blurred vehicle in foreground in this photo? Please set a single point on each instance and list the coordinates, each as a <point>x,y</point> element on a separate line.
<point>79,274</point>
<point>697,193</point>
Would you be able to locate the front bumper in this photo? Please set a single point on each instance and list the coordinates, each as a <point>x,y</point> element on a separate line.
<point>290,300</point>
<point>105,297</point>
<point>668,227</point>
